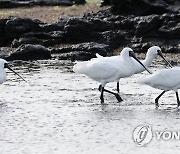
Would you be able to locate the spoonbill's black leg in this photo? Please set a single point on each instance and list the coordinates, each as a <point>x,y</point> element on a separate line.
<point>102,92</point>
<point>178,102</point>
<point>118,86</point>
<point>116,94</point>
<point>156,100</point>
<point>100,87</point>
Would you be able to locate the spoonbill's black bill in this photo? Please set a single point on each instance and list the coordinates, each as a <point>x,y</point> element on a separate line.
<point>3,65</point>
<point>7,66</point>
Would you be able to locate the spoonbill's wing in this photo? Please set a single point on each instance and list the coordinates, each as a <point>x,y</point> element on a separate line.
<point>102,70</point>
<point>99,70</point>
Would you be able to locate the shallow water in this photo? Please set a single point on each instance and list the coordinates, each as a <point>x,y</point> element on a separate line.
<point>59,112</point>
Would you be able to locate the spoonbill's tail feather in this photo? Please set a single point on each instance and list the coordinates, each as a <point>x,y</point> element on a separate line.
<point>80,67</point>
<point>98,55</point>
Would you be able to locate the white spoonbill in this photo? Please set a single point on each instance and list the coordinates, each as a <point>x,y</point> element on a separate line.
<point>105,70</point>
<point>166,79</point>
<point>151,54</point>
<point>3,65</point>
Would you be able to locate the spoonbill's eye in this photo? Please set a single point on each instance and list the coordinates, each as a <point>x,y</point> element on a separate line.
<point>5,65</point>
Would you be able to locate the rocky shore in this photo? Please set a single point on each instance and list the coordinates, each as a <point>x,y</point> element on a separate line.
<point>139,26</point>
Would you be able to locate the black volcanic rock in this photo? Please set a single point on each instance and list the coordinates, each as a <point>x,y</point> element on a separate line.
<point>30,52</point>
<point>78,1</point>
<point>76,55</point>
<point>146,25</point>
<point>26,40</point>
<point>42,38</point>
<point>142,7</point>
<point>82,51</point>
<point>170,27</point>
<point>91,47</point>
<point>139,7</point>
<point>30,3</point>
<point>52,27</point>
<point>78,30</point>
<point>15,4</point>
<point>80,38</point>
<point>15,27</point>
<point>2,32</point>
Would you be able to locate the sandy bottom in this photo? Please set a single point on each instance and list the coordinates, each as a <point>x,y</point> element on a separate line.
<point>59,112</point>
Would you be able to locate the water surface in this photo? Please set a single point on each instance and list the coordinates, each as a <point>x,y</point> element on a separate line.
<point>59,112</point>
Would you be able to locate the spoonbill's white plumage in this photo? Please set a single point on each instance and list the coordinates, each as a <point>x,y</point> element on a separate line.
<point>3,65</point>
<point>166,79</point>
<point>2,71</point>
<point>108,69</point>
<point>151,54</point>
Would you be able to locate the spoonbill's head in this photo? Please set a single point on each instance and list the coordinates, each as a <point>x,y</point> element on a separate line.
<point>125,52</point>
<point>129,52</point>
<point>4,64</point>
<point>155,50</point>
